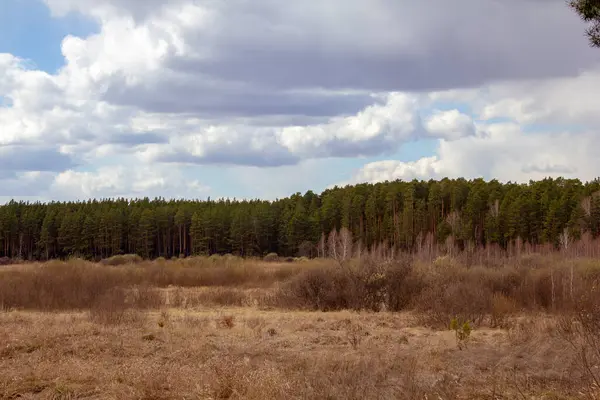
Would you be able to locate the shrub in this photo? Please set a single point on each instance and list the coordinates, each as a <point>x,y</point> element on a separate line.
<point>146,297</point>
<point>271,257</point>
<point>403,285</point>
<point>502,308</point>
<point>580,330</point>
<point>365,285</point>
<point>122,260</point>
<point>467,301</point>
<point>111,308</point>
<point>462,331</point>
<point>324,289</point>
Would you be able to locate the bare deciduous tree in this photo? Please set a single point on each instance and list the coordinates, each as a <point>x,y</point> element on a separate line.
<point>565,239</point>
<point>332,248</point>
<point>345,243</point>
<point>340,244</point>
<point>321,247</point>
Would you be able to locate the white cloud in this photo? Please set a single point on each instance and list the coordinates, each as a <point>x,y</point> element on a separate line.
<point>389,170</point>
<point>501,151</point>
<point>373,130</point>
<point>450,124</point>
<point>269,83</point>
<point>130,181</point>
<point>565,100</point>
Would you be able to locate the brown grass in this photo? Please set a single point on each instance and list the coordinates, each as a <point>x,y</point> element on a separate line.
<point>243,353</point>
<point>245,329</point>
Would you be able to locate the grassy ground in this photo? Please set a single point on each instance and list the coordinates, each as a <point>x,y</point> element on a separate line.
<point>237,342</point>
<point>235,353</point>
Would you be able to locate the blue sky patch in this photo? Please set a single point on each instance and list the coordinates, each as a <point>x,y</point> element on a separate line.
<point>28,31</point>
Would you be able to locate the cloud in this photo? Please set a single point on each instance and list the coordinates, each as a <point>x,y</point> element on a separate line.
<point>450,124</point>
<point>28,158</point>
<point>390,170</point>
<point>498,151</point>
<point>254,84</point>
<point>204,49</point>
<point>380,128</point>
<point>121,181</point>
<point>565,100</point>
<point>24,184</point>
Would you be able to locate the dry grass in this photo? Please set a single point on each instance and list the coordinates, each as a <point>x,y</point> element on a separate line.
<point>78,284</point>
<point>439,290</point>
<point>245,353</point>
<point>227,328</point>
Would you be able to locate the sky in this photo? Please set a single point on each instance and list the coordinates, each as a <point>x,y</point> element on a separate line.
<point>266,98</point>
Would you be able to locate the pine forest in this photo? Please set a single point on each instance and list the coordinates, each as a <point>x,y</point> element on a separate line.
<point>445,215</point>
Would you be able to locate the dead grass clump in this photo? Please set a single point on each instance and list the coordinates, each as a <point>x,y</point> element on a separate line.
<point>355,333</point>
<point>226,321</point>
<point>240,379</point>
<point>112,309</point>
<point>257,325</point>
<point>146,297</point>
<point>195,322</point>
<point>218,274</point>
<point>371,377</point>
<point>218,296</point>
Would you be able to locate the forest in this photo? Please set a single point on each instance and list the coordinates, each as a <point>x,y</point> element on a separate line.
<point>401,215</point>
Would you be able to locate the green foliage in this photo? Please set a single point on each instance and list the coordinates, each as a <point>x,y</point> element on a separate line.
<point>462,331</point>
<point>589,11</point>
<point>400,214</point>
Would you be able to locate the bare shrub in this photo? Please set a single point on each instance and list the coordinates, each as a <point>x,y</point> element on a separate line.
<point>503,308</point>
<point>112,309</point>
<point>55,286</point>
<point>43,287</point>
<point>581,331</point>
<point>122,260</point>
<point>467,301</point>
<point>324,289</point>
<point>271,257</point>
<point>146,297</point>
<point>403,284</point>
<point>356,285</point>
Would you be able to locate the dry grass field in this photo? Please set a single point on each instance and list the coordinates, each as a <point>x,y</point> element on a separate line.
<point>245,329</point>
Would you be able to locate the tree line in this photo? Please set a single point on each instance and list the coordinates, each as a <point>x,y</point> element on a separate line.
<point>398,214</point>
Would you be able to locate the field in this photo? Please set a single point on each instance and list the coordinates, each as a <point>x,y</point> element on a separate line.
<point>227,328</point>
